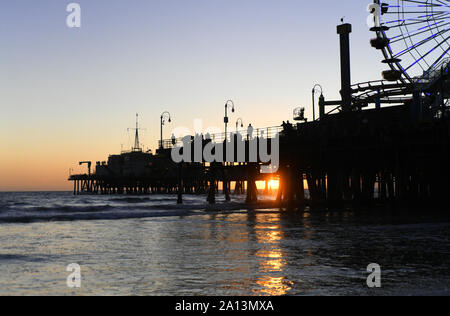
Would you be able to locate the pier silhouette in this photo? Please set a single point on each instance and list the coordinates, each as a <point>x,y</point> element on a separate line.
<point>358,151</point>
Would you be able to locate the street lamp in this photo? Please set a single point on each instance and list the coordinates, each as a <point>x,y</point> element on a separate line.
<point>239,120</point>
<point>164,116</point>
<point>225,119</point>
<point>314,91</point>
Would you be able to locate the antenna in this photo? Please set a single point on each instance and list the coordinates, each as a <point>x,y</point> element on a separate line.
<point>136,138</point>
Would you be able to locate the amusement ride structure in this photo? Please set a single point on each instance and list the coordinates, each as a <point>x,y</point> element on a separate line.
<point>413,37</point>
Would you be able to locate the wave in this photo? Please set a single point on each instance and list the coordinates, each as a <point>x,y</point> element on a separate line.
<point>131,200</point>
<point>109,212</point>
<point>10,205</point>
<point>33,207</point>
<point>18,204</point>
<point>66,208</point>
<point>49,217</point>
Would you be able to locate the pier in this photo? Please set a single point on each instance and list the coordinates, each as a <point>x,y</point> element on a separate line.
<point>384,141</point>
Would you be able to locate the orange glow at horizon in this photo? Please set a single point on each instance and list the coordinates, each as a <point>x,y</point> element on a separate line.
<point>272,184</point>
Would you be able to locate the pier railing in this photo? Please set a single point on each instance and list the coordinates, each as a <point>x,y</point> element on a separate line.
<point>266,132</point>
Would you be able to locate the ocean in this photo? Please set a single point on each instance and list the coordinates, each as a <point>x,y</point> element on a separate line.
<point>148,245</point>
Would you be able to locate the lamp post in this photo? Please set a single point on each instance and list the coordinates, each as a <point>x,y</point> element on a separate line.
<point>314,91</point>
<point>225,119</point>
<point>239,120</point>
<point>164,116</point>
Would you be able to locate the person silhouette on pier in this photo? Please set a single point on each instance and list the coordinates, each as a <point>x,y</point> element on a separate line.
<point>250,131</point>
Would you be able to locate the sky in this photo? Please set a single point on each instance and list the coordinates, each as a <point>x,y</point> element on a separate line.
<point>69,94</point>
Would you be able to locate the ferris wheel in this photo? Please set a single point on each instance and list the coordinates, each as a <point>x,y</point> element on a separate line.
<point>413,35</point>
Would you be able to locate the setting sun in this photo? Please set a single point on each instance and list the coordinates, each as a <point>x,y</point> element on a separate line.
<point>274,184</point>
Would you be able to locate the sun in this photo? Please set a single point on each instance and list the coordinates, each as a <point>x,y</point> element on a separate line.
<point>274,184</point>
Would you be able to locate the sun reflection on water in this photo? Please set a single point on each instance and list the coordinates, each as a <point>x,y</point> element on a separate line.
<point>269,234</point>
<point>273,286</point>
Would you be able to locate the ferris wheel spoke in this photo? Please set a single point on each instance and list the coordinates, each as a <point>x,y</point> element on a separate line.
<point>417,12</point>
<point>409,22</point>
<point>417,32</point>
<point>425,3</point>
<point>417,20</point>
<point>440,58</point>
<point>415,46</point>
<point>443,3</point>
<point>428,53</point>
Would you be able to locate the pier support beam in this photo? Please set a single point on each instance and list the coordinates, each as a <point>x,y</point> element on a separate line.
<point>239,187</point>
<point>212,193</point>
<point>180,184</point>
<point>252,190</point>
<point>226,186</point>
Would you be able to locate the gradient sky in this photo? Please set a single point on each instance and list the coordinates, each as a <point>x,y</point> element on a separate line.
<point>70,94</point>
